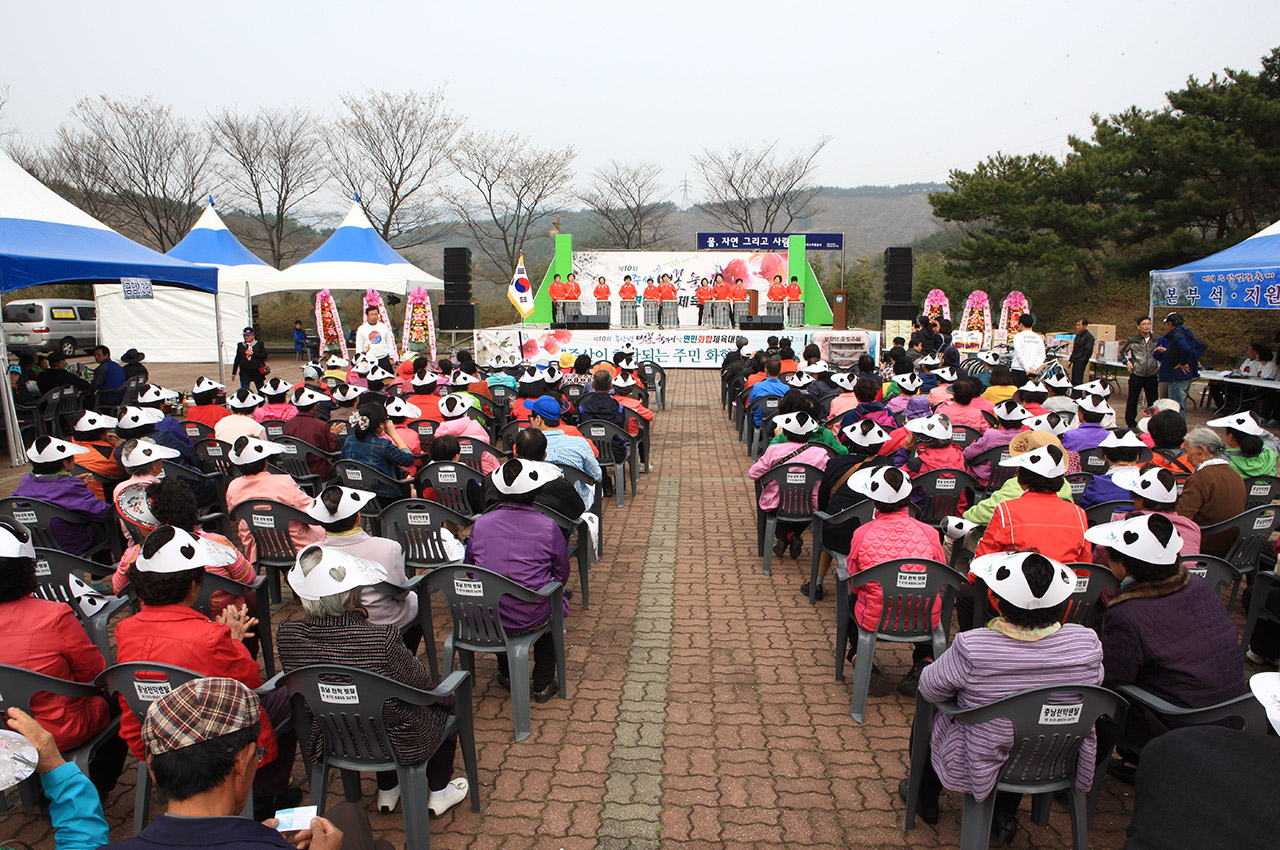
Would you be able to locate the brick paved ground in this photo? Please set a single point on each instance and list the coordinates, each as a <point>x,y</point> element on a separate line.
<point>702,709</point>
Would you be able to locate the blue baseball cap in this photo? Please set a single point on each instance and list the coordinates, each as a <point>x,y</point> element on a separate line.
<point>546,407</point>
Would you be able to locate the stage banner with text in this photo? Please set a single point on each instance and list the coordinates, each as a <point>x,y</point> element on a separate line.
<point>671,349</point>
<point>687,269</point>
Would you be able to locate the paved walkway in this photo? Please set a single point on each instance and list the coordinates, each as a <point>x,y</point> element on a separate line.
<point>702,708</point>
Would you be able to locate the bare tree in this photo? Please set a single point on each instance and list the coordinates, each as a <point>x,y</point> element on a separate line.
<point>272,161</point>
<point>390,151</point>
<point>134,164</point>
<point>4,101</point>
<point>759,190</point>
<point>511,187</point>
<point>629,203</point>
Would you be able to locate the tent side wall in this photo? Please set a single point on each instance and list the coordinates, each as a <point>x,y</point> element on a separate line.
<point>176,326</point>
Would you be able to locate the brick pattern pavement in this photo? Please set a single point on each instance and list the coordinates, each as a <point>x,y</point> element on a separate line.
<point>702,708</point>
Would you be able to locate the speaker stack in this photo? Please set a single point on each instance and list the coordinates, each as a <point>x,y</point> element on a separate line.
<point>458,312</point>
<point>897,285</point>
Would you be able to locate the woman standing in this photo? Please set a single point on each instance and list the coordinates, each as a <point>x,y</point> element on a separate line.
<point>250,361</point>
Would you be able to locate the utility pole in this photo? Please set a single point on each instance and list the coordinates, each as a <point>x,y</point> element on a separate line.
<point>684,192</point>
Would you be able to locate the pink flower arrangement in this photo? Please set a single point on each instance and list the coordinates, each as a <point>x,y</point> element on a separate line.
<point>1015,304</point>
<point>419,324</point>
<point>977,314</point>
<point>936,305</point>
<point>328,324</point>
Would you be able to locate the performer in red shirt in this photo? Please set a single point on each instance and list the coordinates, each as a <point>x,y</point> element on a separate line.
<point>738,292</point>
<point>602,290</point>
<point>777,291</point>
<point>573,291</point>
<point>720,291</point>
<point>704,292</point>
<point>667,289</point>
<point>793,291</point>
<point>650,290</point>
<point>558,289</point>
<point>628,290</point>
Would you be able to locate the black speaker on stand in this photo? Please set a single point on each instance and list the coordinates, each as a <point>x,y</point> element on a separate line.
<point>458,312</point>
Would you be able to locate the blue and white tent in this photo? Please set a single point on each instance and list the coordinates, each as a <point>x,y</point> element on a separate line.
<point>182,327</point>
<point>355,256</point>
<point>1243,277</point>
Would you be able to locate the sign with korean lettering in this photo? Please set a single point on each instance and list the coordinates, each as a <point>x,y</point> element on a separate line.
<point>768,241</point>
<point>1246,289</point>
<point>136,288</point>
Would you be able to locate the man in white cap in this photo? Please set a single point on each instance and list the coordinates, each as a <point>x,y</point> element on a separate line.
<point>239,422</point>
<point>52,479</point>
<point>1121,452</point>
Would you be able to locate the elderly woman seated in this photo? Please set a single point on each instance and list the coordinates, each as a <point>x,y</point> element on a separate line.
<point>1026,647</point>
<point>1165,630</point>
<point>337,631</point>
<point>1215,491</point>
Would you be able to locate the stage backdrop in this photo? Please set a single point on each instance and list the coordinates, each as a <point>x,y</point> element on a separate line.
<point>672,349</point>
<point>687,268</point>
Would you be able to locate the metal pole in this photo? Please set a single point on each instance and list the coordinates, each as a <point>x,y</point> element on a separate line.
<point>17,457</point>
<point>217,323</point>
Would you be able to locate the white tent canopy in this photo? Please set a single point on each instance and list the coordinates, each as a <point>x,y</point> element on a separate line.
<point>178,326</point>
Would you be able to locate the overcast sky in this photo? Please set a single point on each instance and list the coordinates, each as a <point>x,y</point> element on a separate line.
<point>907,91</point>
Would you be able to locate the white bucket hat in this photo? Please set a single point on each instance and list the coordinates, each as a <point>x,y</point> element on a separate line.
<point>1058,382</point>
<point>817,368</point>
<point>529,375</point>
<point>1010,411</point>
<point>1032,386</point>
<point>146,452</point>
<point>247,450</point>
<point>244,400</point>
<point>798,423</point>
<point>349,505</point>
<point>1266,689</point>
<point>935,427</point>
<point>336,362</point>
<point>90,421</point>
<point>517,476</point>
<point>844,380</point>
<point>866,433</point>
<point>460,378</point>
<point>275,386</point>
<point>1098,388</point>
<point>1136,538</point>
<point>305,397</point>
<point>424,378</point>
<point>15,540</point>
<point>1243,422</point>
<point>946,374</point>
<point>377,373</point>
<point>929,360</point>
<point>182,552</point>
<point>348,392</point>
<point>1039,461</point>
<point>800,380</point>
<point>205,385</point>
<point>624,381</point>
<point>331,572</point>
<point>1005,574</point>
<point>991,358</point>
<point>885,484</point>
<point>1155,483</point>
<point>909,382</point>
<point>51,450</point>
<point>152,393</point>
<point>957,527</point>
<point>1052,422</point>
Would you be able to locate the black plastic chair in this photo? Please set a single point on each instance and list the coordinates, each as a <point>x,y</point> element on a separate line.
<point>642,434</point>
<point>18,685</point>
<point>507,435</point>
<point>911,589</point>
<point>655,382</point>
<point>862,511</point>
<point>963,435</point>
<point>576,477</point>
<point>942,491</point>
<point>796,503</point>
<point>347,705</point>
<point>1254,528</point>
<point>269,523</point>
<point>1245,706</point>
<point>471,450</point>
<point>1093,460</point>
<point>580,547</point>
<point>416,525</point>
<point>603,434</point>
<point>1103,511</point>
<point>1215,570</point>
<point>215,456</point>
<point>196,430</point>
<point>1078,481</point>
<point>54,569</point>
<point>751,432</point>
<point>139,684</point>
<point>451,481</point>
<point>296,461</point>
<point>1092,580</point>
<point>472,595</point>
<point>1050,725</point>
<point>37,515</point>
<point>212,582</point>
<point>573,392</point>
<point>361,476</point>
<point>999,474</point>
<point>1261,490</point>
<point>1263,584</point>
<point>274,428</point>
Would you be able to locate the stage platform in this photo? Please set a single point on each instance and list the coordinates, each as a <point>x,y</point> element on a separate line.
<point>671,348</point>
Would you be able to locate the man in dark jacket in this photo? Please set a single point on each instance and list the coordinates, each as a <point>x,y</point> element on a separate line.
<point>58,376</point>
<point>1179,354</point>
<point>108,378</point>
<point>601,406</point>
<point>1137,355</point>
<point>1081,351</point>
<point>557,494</point>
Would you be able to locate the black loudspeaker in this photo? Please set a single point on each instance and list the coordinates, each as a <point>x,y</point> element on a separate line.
<point>897,275</point>
<point>893,312</point>
<point>457,265</point>
<point>760,323</point>
<point>457,293</point>
<point>458,317</point>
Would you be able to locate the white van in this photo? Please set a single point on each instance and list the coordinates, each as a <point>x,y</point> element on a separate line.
<point>51,323</point>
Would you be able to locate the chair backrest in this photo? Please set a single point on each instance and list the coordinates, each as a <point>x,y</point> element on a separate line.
<point>767,405</point>
<point>573,392</point>
<point>211,583</point>
<point>274,428</point>
<point>36,516</point>
<point>361,476</point>
<point>1212,569</point>
<point>963,435</point>
<point>416,524</point>
<point>507,436</point>
<point>215,456</point>
<point>54,569</point>
<point>1092,460</point>
<point>268,522</point>
<point>18,685</point>
<point>629,416</point>
<point>132,387</point>
<point>1254,527</point>
<point>1078,481</point>
<point>472,595</point>
<point>348,705</point>
<point>141,683</point>
<point>1050,725</point>
<point>449,480</point>
<point>1104,511</point>
<point>942,491</point>
<point>472,449</point>
<point>910,587</point>
<point>602,434</point>
<point>796,482</point>
<point>502,394</point>
<point>1261,490</point>
<point>297,455</point>
<point>196,430</point>
<point>999,474</point>
<point>1092,580</point>
<point>426,429</point>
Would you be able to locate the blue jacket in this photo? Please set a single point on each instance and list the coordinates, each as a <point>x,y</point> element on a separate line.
<point>769,386</point>
<point>1181,348</point>
<point>1100,489</point>
<point>168,831</point>
<point>74,809</point>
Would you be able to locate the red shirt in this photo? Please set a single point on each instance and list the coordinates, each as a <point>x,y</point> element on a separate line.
<point>1039,522</point>
<point>793,292</point>
<point>46,637</point>
<point>558,290</point>
<point>207,414</point>
<point>777,292</point>
<point>667,292</point>
<point>704,294</point>
<point>602,291</point>
<point>574,291</point>
<point>628,291</point>
<point>738,292</point>
<point>651,292</point>
<point>720,292</point>
<point>183,637</point>
<point>428,404</point>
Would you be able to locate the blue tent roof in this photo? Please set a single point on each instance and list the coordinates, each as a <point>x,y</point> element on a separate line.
<point>210,242</point>
<point>45,239</point>
<point>1244,276</point>
<point>354,242</point>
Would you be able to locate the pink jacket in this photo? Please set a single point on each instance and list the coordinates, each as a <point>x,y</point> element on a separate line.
<point>950,457</point>
<point>282,411</point>
<point>888,536</point>
<point>773,455</point>
<point>967,414</point>
<point>465,426</point>
<point>277,488</point>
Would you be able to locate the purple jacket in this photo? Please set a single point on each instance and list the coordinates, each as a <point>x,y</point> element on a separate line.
<point>69,493</point>
<point>984,665</point>
<point>1085,436</point>
<point>518,542</point>
<point>1175,639</point>
<point>990,439</point>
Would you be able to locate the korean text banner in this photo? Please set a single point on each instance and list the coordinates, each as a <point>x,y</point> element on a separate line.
<point>1246,289</point>
<point>768,241</point>
<point>691,348</point>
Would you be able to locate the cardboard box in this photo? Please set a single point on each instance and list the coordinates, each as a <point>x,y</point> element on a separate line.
<point>1103,333</point>
<point>1109,350</point>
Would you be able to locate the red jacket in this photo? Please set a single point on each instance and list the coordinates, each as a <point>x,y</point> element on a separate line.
<point>627,292</point>
<point>429,404</point>
<point>633,427</point>
<point>777,292</point>
<point>46,637</point>
<point>207,414</point>
<point>667,292</point>
<point>183,637</point>
<point>738,292</point>
<point>559,290</point>
<point>573,290</point>
<point>651,292</point>
<point>1038,522</point>
<point>704,294</point>
<point>602,291</point>
<point>888,536</point>
<point>793,291</point>
<point>309,427</point>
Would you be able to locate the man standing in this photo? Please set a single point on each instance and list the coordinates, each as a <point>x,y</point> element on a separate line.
<point>1179,354</point>
<point>1028,350</point>
<point>1081,352</point>
<point>108,378</point>
<point>1137,355</point>
<point>250,361</point>
<point>374,339</point>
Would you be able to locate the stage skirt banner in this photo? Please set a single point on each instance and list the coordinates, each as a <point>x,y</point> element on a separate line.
<point>690,348</point>
<point>687,269</point>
